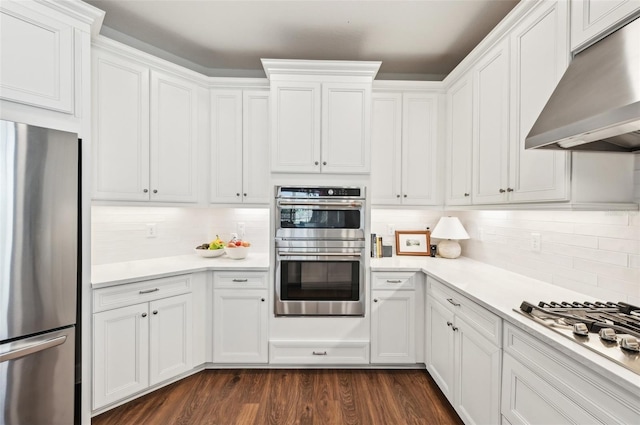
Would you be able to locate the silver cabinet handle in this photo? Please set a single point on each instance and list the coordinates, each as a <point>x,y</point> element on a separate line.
<point>449,323</point>
<point>509,189</point>
<point>453,302</point>
<point>502,191</point>
<point>319,353</point>
<point>33,348</point>
<point>315,254</point>
<point>455,329</point>
<point>144,314</point>
<point>466,194</point>
<point>394,281</point>
<point>240,280</point>
<point>148,291</point>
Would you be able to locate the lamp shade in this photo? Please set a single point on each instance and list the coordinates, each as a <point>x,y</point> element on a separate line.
<point>449,228</point>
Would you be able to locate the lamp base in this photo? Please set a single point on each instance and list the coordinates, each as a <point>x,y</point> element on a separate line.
<point>449,249</point>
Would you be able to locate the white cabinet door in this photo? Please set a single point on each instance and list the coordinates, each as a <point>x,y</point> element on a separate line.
<point>459,147</point>
<point>393,327</point>
<point>174,139</point>
<point>491,126</point>
<point>120,353</point>
<point>256,187</point>
<point>419,149</point>
<point>591,19</point>
<point>346,121</point>
<point>439,347</point>
<point>527,399</point>
<point>539,57</point>
<point>120,128</point>
<point>240,326</point>
<point>295,141</point>
<point>226,146</point>
<point>477,388</point>
<point>170,337</point>
<point>36,58</point>
<point>386,148</point>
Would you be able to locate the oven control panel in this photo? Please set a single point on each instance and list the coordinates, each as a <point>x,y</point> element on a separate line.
<point>312,192</point>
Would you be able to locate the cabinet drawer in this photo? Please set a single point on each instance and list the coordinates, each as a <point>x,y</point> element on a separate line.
<point>483,321</point>
<point>133,293</point>
<point>393,280</point>
<point>239,280</point>
<point>318,352</point>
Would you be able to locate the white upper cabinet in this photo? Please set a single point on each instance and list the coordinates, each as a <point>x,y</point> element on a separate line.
<point>491,126</point>
<point>239,146</point>
<point>320,115</point>
<point>459,143</point>
<point>539,57</point>
<point>593,19</point>
<point>120,128</point>
<point>404,149</point>
<point>145,132</point>
<point>36,57</point>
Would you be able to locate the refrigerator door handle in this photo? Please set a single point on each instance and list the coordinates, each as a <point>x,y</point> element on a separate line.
<point>32,348</point>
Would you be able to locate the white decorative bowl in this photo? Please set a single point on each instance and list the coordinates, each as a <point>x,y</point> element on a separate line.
<point>209,253</point>
<point>237,253</point>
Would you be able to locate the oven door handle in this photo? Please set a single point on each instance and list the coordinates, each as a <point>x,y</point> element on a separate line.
<point>319,254</point>
<point>344,205</point>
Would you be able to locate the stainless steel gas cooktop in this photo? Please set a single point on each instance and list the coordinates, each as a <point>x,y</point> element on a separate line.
<point>610,329</point>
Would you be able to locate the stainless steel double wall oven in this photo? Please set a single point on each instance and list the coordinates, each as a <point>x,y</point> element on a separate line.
<point>319,243</point>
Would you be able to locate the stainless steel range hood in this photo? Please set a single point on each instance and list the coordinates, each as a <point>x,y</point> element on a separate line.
<point>596,106</point>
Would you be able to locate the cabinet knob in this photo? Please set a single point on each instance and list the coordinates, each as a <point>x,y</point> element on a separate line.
<point>145,190</point>
<point>155,190</point>
<point>455,329</point>
<point>405,195</point>
<point>244,194</point>
<point>155,311</point>
<point>262,299</point>
<point>144,314</point>
<point>502,191</point>
<point>509,189</point>
<point>237,194</point>
<point>397,196</point>
<point>449,323</point>
<point>317,163</point>
<point>466,194</point>
<point>324,162</point>
<point>375,300</point>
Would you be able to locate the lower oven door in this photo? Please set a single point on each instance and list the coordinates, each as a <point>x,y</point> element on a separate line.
<point>319,282</point>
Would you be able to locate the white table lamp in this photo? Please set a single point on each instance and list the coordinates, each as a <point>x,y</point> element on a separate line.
<point>449,229</point>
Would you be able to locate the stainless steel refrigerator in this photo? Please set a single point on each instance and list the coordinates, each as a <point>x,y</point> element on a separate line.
<point>39,190</point>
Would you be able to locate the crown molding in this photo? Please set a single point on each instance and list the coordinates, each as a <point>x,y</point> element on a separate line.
<point>278,67</point>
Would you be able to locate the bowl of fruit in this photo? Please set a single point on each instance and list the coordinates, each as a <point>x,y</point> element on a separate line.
<point>237,249</point>
<point>210,250</point>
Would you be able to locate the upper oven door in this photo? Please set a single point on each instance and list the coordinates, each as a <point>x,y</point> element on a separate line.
<point>320,219</point>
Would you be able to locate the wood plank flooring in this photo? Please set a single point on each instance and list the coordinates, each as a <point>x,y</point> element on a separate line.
<point>296,397</point>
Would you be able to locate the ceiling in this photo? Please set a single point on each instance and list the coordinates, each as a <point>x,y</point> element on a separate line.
<point>415,40</point>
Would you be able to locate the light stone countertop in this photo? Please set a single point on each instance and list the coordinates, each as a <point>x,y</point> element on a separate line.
<point>498,290</point>
<point>501,291</point>
<point>131,271</point>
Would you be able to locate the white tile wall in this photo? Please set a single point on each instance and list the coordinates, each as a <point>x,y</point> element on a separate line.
<point>119,233</point>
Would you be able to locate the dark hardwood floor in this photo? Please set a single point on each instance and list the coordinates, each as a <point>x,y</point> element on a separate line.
<point>297,396</point>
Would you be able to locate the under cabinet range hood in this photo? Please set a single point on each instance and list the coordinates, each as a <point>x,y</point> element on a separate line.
<point>596,106</point>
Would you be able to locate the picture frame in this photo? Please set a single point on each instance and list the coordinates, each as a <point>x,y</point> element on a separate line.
<point>413,242</point>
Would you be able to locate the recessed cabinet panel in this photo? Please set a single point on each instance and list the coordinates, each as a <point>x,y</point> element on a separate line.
<point>386,149</point>
<point>459,149</point>
<point>226,146</point>
<point>393,327</point>
<point>256,187</point>
<point>539,57</point>
<point>37,59</point>
<point>440,347</point>
<point>296,127</point>
<point>120,129</point>
<point>174,153</point>
<point>593,19</point>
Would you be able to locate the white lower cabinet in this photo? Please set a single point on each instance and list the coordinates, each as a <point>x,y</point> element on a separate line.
<point>141,344</point>
<point>463,353</point>
<point>240,317</point>
<point>393,318</point>
<point>542,386</point>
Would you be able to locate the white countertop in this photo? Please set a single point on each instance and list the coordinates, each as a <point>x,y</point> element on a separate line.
<point>131,271</point>
<point>500,291</point>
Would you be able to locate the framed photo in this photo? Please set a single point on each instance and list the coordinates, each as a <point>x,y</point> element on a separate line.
<point>412,242</point>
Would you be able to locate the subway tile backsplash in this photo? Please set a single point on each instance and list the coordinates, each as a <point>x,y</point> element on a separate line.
<point>593,252</point>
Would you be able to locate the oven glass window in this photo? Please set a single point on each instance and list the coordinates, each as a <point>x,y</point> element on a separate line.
<point>306,218</point>
<point>320,280</point>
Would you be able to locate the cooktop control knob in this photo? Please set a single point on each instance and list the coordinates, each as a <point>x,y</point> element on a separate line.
<point>608,334</point>
<point>630,343</point>
<point>330,192</point>
<point>580,329</point>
